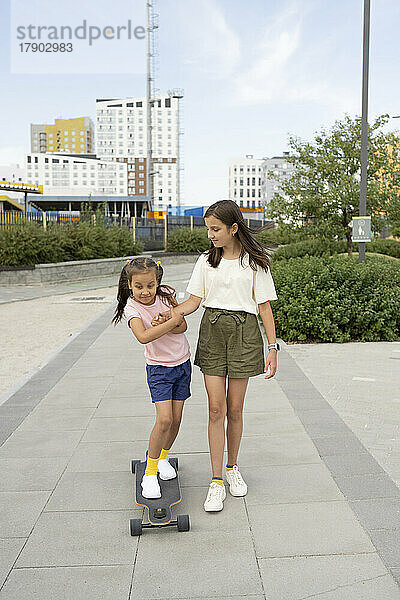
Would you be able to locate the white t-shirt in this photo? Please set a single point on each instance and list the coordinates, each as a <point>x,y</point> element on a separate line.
<point>230,285</point>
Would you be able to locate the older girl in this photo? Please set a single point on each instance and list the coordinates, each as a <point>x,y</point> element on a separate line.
<point>234,281</point>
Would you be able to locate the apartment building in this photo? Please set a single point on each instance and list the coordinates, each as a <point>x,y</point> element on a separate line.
<point>121,136</point>
<point>73,175</point>
<point>254,181</point>
<point>65,135</point>
<point>246,181</point>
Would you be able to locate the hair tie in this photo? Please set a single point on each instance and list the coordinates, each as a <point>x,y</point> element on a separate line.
<point>128,261</point>
<point>158,263</point>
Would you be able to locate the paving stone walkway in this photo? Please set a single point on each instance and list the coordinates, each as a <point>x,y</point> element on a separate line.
<point>321,519</point>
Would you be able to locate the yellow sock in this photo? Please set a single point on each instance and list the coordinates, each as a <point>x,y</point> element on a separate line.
<point>151,468</point>
<point>217,480</point>
<point>164,454</point>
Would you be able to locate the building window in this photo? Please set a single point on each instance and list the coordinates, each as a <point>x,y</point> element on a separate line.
<point>139,104</point>
<point>241,193</point>
<point>167,102</point>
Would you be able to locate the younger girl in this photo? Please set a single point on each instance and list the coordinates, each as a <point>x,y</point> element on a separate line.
<point>141,297</point>
<point>234,281</point>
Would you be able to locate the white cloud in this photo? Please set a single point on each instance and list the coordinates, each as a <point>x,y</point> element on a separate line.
<point>212,46</point>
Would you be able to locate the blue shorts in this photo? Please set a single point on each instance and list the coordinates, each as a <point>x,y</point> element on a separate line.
<point>169,383</point>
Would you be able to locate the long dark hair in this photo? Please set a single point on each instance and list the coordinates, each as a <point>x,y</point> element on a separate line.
<point>142,264</point>
<point>229,213</point>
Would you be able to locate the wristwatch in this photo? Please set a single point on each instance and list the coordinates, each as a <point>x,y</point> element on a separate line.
<point>274,346</point>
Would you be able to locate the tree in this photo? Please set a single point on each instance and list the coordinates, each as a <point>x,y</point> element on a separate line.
<point>324,189</point>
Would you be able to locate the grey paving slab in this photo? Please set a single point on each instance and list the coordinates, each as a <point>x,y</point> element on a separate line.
<point>119,429</point>
<point>337,428</point>
<point>124,407</point>
<point>55,419</point>
<point>69,583</point>
<point>283,449</point>
<point>289,483</point>
<point>232,518</point>
<point>338,444</point>
<point>314,528</point>
<point>271,423</point>
<point>300,577</point>
<point>192,439</point>
<point>228,565</point>
<point>362,487</point>
<point>94,457</point>
<point>66,539</point>
<point>355,464</point>
<point>378,513</point>
<point>387,544</point>
<point>93,491</point>
<point>40,444</point>
<point>19,511</point>
<point>30,474</point>
<point>383,588</point>
<point>194,469</point>
<point>9,550</point>
<point>395,573</point>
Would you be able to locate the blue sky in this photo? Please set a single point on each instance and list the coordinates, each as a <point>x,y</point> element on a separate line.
<point>252,74</point>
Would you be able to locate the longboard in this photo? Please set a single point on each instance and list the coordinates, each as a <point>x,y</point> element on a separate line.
<point>159,510</point>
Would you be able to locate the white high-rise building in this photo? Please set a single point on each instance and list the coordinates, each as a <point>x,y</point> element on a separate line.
<point>277,169</point>
<point>246,177</point>
<point>121,136</point>
<point>253,182</point>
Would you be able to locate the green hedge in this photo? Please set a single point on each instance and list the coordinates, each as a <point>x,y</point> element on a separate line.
<point>311,247</point>
<point>186,240</point>
<point>325,247</point>
<point>30,244</point>
<point>389,247</point>
<point>335,299</point>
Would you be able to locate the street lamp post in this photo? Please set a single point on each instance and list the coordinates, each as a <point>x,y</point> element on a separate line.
<point>364,125</point>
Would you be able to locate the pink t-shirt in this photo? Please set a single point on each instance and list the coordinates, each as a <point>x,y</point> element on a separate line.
<point>169,350</point>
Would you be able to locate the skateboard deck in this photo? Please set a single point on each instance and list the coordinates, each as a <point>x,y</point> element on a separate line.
<point>159,509</point>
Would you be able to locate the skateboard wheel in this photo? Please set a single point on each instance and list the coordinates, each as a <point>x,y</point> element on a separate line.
<point>136,526</point>
<point>183,522</point>
<point>174,463</point>
<point>133,465</point>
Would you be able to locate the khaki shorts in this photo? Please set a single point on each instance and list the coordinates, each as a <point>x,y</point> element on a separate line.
<point>230,344</point>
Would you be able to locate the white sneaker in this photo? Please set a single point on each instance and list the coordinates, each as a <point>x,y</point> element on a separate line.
<point>237,486</point>
<point>150,487</point>
<point>215,497</point>
<point>165,469</point>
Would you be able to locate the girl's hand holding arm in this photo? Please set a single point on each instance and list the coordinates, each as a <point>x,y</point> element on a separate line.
<point>144,336</point>
<point>186,308</point>
<point>269,326</point>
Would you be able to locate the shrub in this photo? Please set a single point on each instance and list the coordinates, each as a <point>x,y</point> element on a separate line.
<point>30,244</point>
<point>186,240</point>
<point>335,299</point>
<point>389,247</point>
<point>311,247</point>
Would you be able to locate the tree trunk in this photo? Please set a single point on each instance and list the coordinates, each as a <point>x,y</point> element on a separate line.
<point>349,242</point>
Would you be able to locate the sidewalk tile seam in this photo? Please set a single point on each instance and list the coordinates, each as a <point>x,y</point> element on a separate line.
<point>349,585</point>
